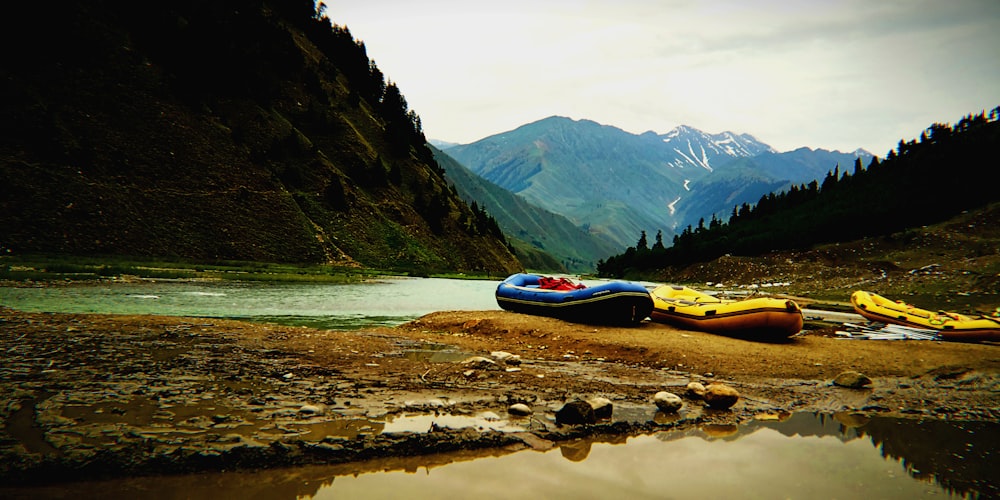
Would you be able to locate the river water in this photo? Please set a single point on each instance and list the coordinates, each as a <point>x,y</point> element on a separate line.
<point>800,455</point>
<point>388,301</point>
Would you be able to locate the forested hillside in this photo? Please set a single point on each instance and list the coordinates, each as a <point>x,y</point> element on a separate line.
<point>746,179</point>
<point>544,241</point>
<point>218,129</point>
<point>923,181</point>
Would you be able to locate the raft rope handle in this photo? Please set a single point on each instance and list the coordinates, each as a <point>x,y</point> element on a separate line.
<point>995,317</point>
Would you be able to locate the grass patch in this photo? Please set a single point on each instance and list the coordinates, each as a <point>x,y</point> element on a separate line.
<point>62,268</point>
<point>24,268</point>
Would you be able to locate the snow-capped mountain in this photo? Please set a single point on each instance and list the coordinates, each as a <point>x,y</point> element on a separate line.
<point>697,148</point>
<point>616,184</point>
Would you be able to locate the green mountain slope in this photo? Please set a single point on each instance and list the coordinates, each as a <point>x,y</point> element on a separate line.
<point>604,179</point>
<point>218,130</point>
<point>534,229</point>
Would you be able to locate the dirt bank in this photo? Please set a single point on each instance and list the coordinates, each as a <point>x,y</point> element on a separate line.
<point>101,395</point>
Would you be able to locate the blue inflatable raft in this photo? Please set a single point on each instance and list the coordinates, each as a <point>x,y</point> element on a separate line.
<point>612,303</point>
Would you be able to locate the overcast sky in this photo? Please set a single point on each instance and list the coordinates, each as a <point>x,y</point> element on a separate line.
<point>819,73</point>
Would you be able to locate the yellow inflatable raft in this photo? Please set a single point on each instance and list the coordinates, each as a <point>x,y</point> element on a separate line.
<point>949,325</point>
<point>759,318</point>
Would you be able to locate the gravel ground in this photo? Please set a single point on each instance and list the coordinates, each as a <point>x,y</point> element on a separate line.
<point>86,396</point>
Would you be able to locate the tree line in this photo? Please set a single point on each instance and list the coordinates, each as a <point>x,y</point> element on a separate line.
<point>947,170</point>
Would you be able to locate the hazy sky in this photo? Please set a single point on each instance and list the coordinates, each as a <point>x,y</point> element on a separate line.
<point>817,73</point>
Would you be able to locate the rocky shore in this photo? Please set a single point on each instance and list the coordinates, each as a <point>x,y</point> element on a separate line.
<point>90,396</point>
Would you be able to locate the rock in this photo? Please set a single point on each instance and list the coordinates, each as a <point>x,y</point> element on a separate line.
<point>519,409</point>
<point>668,402</point>
<point>852,379</point>
<point>219,419</point>
<point>721,396</point>
<point>696,390</point>
<point>310,410</point>
<point>533,441</point>
<point>506,357</point>
<point>575,413</point>
<point>481,363</point>
<point>602,407</point>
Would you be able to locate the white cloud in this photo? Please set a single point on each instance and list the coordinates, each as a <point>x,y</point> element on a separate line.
<point>819,73</point>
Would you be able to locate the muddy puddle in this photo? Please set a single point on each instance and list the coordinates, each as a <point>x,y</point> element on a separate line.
<point>801,455</point>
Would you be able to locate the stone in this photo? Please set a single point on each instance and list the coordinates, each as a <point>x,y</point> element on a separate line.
<point>852,379</point>
<point>721,396</point>
<point>519,409</point>
<point>696,390</point>
<point>533,441</point>
<point>668,402</point>
<point>602,407</point>
<point>481,363</point>
<point>576,413</point>
<point>219,419</point>
<point>506,357</point>
<point>310,410</point>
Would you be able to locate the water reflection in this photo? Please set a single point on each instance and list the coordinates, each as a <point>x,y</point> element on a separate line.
<point>958,456</point>
<point>798,455</point>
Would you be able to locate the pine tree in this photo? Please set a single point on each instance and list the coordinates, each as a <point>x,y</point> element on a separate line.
<point>658,245</point>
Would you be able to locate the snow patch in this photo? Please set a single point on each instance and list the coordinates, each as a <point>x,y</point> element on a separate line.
<point>672,206</point>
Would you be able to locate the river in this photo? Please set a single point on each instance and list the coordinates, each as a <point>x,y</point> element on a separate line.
<point>376,302</point>
<point>796,456</point>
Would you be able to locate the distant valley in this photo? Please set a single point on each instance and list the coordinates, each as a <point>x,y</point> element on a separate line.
<point>543,240</point>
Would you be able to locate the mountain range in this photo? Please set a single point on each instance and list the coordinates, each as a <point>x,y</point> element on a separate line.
<point>615,185</point>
